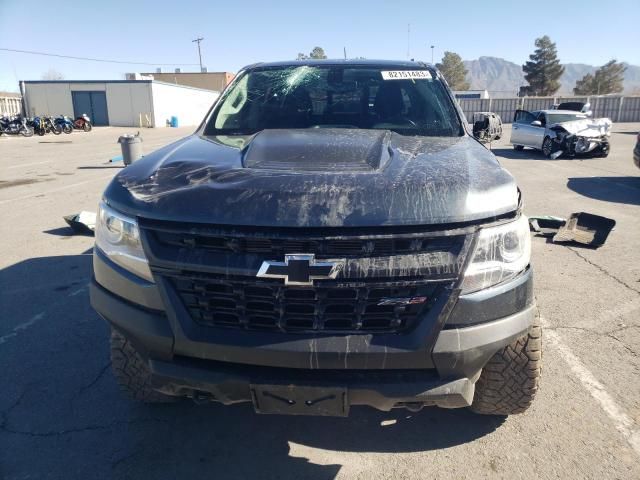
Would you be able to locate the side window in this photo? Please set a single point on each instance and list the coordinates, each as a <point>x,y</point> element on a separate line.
<point>543,119</point>
<point>524,117</point>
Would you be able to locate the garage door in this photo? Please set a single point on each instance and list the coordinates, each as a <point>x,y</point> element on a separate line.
<point>93,104</point>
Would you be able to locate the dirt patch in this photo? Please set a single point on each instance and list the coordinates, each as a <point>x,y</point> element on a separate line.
<point>21,181</point>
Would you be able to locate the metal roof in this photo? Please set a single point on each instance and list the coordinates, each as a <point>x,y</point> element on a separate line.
<point>86,81</point>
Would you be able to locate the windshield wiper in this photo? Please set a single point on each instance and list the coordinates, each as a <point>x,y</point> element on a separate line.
<point>236,133</point>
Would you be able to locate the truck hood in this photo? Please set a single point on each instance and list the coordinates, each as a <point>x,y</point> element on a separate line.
<point>316,178</point>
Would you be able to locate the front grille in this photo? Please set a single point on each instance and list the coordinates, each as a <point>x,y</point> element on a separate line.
<point>269,305</point>
<point>213,270</point>
<point>321,247</point>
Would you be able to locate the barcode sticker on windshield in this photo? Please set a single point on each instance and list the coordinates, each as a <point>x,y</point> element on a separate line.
<point>406,74</point>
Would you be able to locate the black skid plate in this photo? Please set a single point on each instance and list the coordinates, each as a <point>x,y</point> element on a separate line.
<point>300,400</point>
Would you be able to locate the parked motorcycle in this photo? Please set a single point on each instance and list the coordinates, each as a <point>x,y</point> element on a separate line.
<point>51,126</point>
<point>15,126</point>
<point>65,123</point>
<point>36,124</point>
<point>44,124</point>
<point>83,122</point>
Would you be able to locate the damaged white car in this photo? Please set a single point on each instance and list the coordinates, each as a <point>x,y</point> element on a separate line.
<point>561,132</point>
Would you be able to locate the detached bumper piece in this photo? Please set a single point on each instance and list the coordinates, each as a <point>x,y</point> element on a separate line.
<point>585,228</point>
<point>295,392</point>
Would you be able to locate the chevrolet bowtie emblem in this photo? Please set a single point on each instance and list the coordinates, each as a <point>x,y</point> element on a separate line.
<point>299,269</point>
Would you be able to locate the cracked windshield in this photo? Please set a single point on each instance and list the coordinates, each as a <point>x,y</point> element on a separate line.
<point>336,97</point>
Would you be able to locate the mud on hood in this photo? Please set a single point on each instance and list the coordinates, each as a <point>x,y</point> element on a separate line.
<point>360,178</point>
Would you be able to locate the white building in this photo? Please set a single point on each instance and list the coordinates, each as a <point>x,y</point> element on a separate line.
<point>122,103</point>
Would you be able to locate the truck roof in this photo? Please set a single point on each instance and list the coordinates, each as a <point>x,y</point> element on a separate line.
<point>358,62</point>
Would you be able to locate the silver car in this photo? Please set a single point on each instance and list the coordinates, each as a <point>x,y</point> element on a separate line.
<point>557,132</point>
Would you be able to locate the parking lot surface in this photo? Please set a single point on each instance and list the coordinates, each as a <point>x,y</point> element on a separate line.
<point>62,416</point>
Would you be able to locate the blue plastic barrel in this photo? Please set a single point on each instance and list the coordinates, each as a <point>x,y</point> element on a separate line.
<point>174,122</point>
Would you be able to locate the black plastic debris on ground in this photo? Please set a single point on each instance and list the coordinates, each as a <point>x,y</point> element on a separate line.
<point>83,223</point>
<point>585,229</point>
<point>546,224</point>
<point>581,228</point>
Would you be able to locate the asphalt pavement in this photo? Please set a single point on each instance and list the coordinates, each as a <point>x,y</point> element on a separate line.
<point>62,416</point>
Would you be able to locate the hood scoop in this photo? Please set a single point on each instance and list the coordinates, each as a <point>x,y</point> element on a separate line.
<point>318,150</point>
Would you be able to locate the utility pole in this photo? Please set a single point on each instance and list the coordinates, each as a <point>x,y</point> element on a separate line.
<point>432,47</point>
<point>345,52</point>
<point>198,40</point>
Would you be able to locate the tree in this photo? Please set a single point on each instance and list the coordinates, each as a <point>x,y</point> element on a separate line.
<point>544,70</point>
<point>453,71</point>
<point>317,53</point>
<point>52,74</point>
<point>609,78</point>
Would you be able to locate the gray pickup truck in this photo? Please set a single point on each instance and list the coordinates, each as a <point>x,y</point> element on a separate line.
<point>330,236</point>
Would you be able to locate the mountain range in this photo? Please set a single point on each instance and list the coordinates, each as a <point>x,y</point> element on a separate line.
<point>503,78</point>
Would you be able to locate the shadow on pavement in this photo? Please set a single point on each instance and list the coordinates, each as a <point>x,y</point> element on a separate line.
<point>60,400</point>
<point>526,154</point>
<point>60,232</point>
<point>608,189</point>
<point>100,167</point>
<point>234,442</point>
<point>531,154</point>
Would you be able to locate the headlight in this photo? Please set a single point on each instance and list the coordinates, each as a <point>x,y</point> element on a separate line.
<point>119,238</point>
<point>500,254</point>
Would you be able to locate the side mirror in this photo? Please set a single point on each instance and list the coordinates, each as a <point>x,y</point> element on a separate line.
<point>536,123</point>
<point>588,113</point>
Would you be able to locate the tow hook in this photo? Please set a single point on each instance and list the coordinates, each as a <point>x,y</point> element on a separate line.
<point>414,406</point>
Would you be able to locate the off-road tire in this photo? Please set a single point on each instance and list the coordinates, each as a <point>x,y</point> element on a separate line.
<point>132,373</point>
<point>509,381</point>
<point>518,147</point>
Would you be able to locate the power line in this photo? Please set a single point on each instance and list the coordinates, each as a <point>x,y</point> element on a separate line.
<point>97,59</point>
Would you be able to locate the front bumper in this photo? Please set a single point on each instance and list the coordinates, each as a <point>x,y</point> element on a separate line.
<point>575,145</point>
<point>415,370</point>
<point>381,389</point>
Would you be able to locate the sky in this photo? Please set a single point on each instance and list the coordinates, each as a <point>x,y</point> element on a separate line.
<point>240,33</point>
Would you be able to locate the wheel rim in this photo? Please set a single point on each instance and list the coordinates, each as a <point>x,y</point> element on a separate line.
<point>546,147</point>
